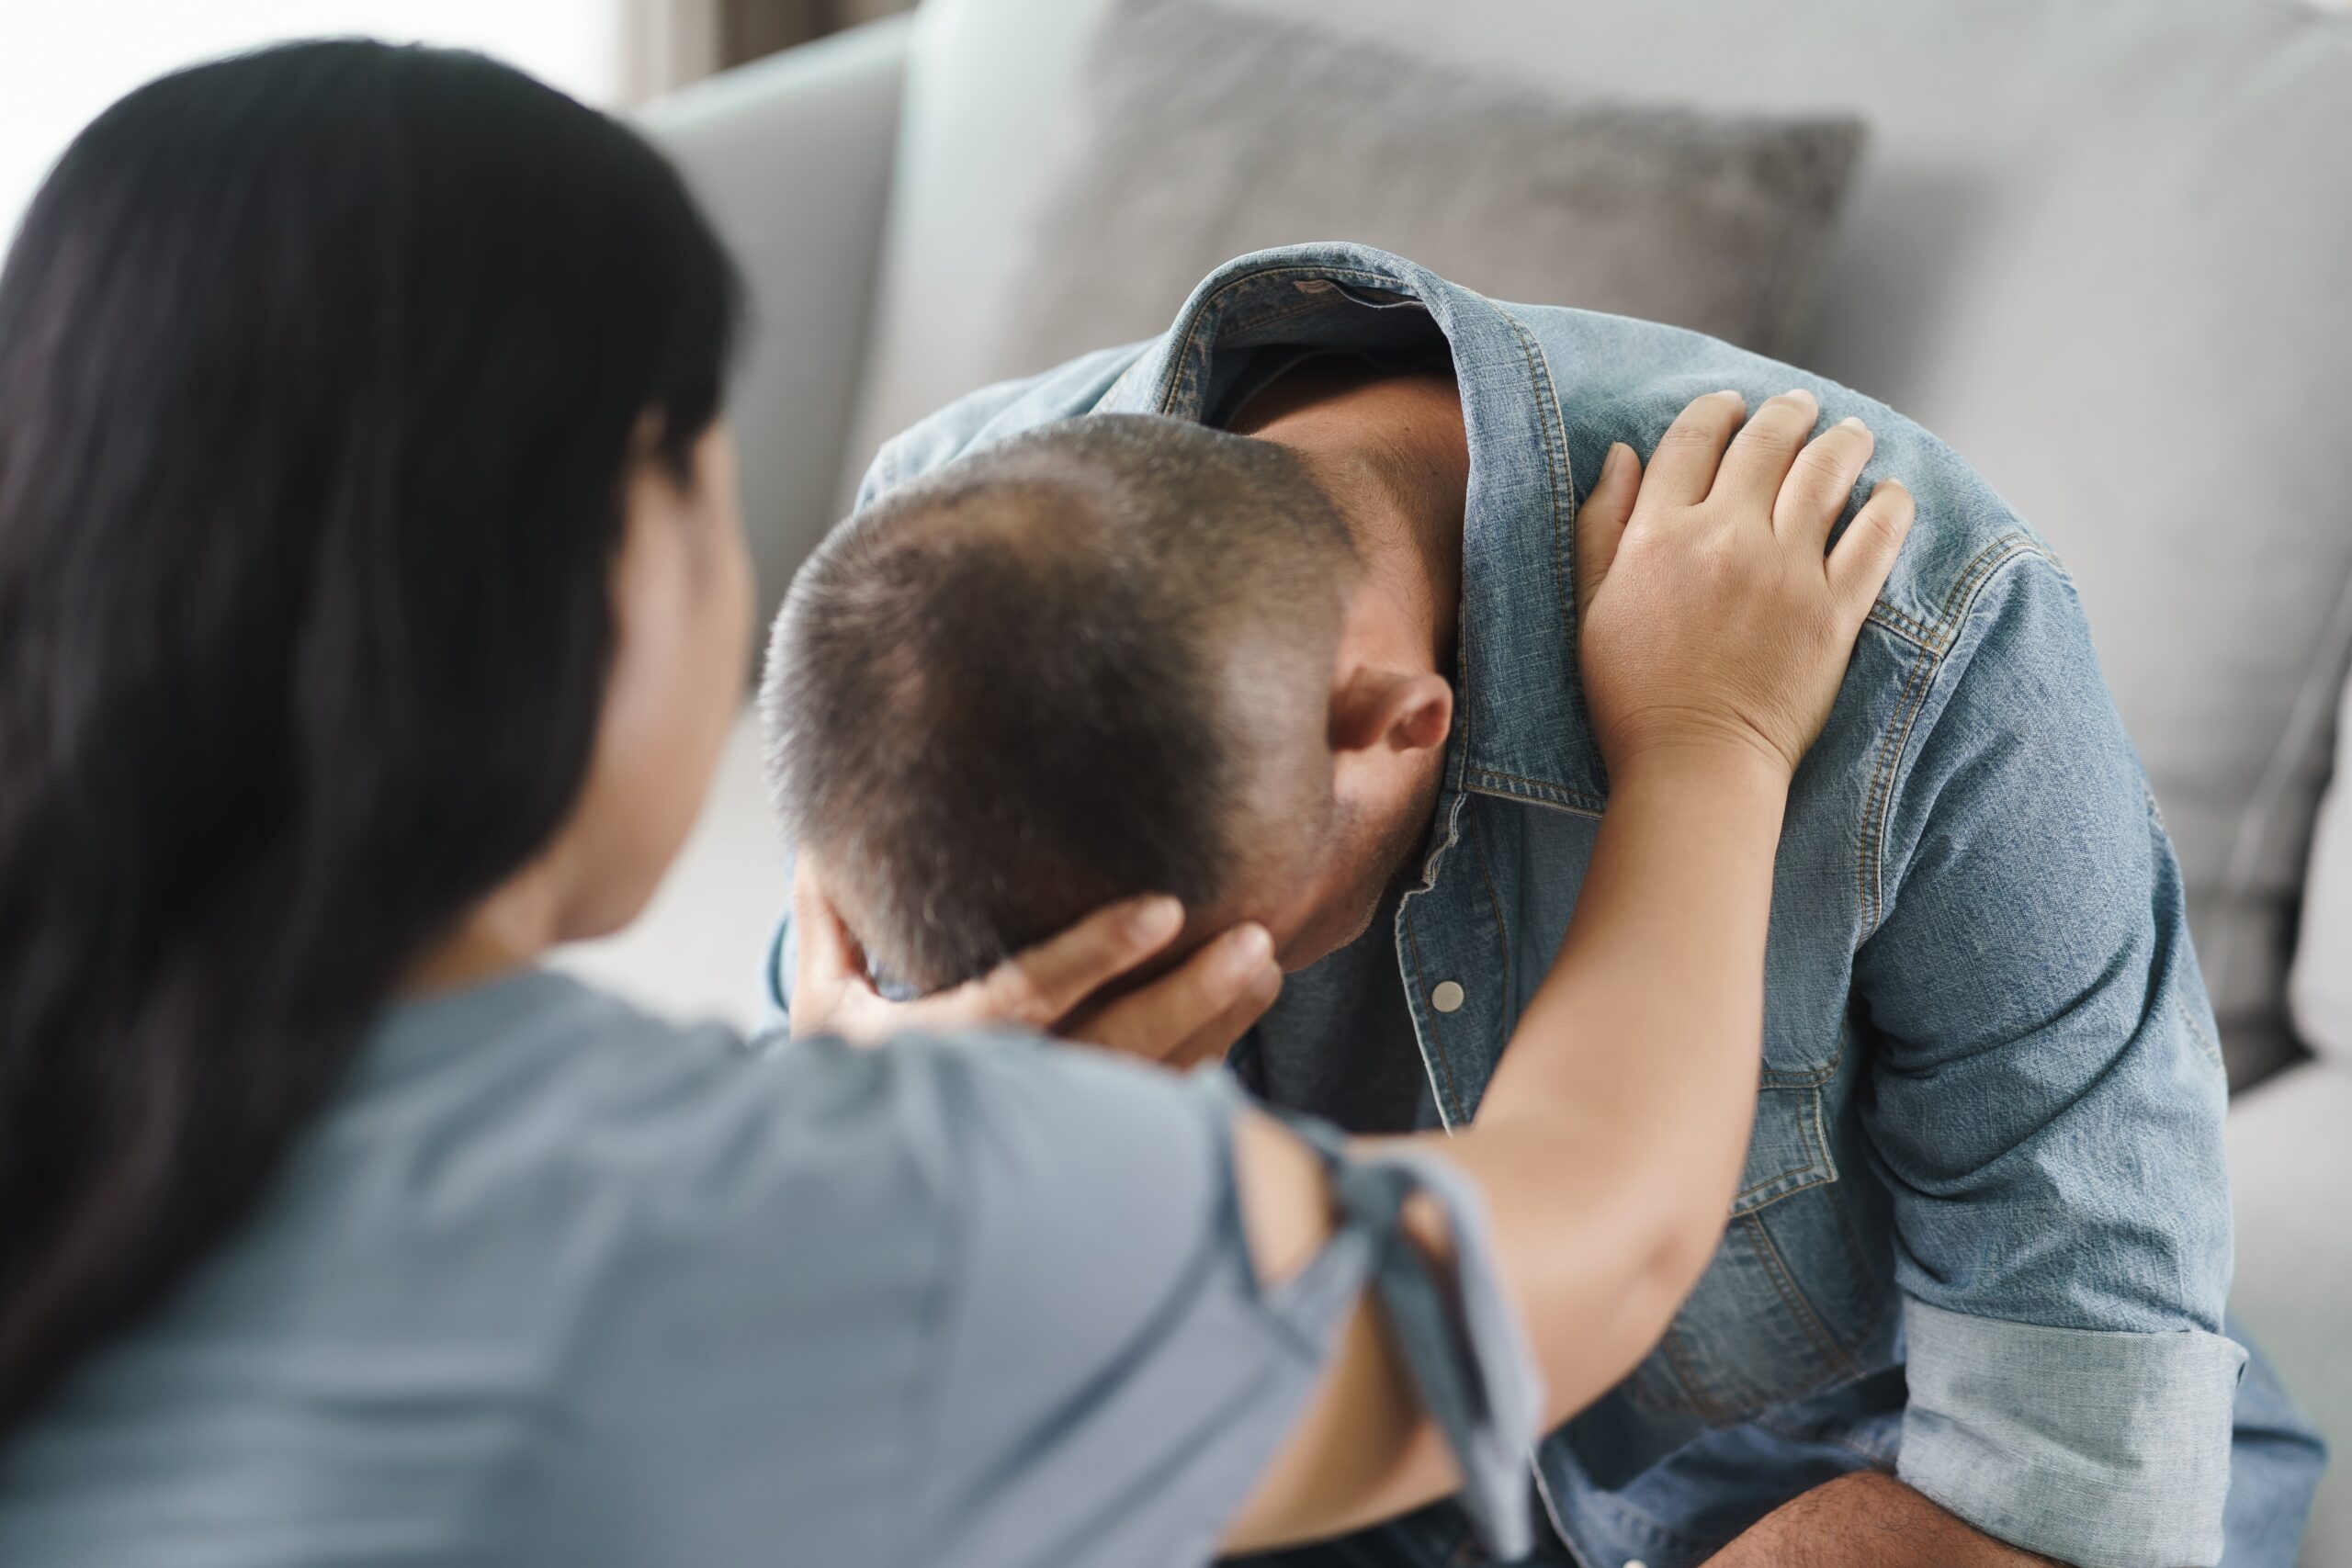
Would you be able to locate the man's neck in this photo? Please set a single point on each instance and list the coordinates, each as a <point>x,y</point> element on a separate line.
<point>1390,449</point>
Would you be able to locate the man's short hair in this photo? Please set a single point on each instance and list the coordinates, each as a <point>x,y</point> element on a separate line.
<point>1065,670</point>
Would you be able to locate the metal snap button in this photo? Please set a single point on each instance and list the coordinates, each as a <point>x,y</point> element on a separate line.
<point>1447,997</point>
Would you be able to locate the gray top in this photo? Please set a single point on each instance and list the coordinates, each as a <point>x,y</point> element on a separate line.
<point>554,1282</point>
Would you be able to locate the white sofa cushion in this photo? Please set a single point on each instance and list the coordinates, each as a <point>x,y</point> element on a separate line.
<point>2320,991</point>
<point>2289,1167</point>
<point>696,950</point>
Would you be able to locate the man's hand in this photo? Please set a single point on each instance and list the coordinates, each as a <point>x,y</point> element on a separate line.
<point>1192,1013</point>
<point>1868,1520</point>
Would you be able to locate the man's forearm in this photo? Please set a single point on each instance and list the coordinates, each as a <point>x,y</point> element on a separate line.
<point>1868,1520</point>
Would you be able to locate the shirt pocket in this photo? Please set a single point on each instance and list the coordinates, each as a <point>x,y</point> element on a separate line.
<point>1790,1299</point>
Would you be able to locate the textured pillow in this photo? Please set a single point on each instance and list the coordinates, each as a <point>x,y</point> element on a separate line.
<point>1201,133</point>
<point>2319,993</point>
<point>2100,248</point>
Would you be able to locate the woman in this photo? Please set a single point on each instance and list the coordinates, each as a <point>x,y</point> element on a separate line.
<point>372,602</point>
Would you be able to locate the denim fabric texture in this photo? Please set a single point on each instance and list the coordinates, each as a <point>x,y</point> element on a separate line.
<point>1988,1141</point>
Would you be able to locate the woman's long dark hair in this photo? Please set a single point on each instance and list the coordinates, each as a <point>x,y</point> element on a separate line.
<point>320,371</point>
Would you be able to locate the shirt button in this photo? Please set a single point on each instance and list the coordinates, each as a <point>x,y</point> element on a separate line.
<point>1447,997</point>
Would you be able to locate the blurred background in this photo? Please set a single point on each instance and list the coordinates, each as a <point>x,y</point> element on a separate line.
<point>2103,247</point>
<point>61,64</point>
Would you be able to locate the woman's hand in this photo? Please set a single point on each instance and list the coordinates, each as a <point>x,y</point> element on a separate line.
<point>1068,986</point>
<point>1710,613</point>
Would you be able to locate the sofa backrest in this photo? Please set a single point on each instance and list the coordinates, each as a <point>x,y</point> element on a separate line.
<point>2099,245</point>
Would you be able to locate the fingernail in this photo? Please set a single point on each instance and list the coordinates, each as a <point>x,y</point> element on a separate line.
<point>1155,919</point>
<point>1614,463</point>
<point>1248,948</point>
<point>1853,421</point>
<point>1734,394</point>
<point>1801,392</point>
<point>1266,984</point>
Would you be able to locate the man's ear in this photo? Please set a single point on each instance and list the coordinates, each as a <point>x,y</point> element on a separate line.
<point>1383,710</point>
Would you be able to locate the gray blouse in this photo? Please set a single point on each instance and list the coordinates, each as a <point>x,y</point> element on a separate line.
<point>553,1282</point>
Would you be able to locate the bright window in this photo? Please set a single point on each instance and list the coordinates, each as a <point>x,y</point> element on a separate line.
<point>62,61</point>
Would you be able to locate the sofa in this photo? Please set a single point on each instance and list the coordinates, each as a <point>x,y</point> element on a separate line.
<point>2098,245</point>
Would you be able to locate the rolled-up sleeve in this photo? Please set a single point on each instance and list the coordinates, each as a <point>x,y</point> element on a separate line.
<point>2097,1448</point>
<point>2046,1104</point>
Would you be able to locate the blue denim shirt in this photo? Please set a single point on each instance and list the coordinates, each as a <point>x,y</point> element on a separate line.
<point>1987,1155</point>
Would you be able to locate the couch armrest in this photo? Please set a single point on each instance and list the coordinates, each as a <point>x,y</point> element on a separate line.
<point>2289,1167</point>
<point>791,158</point>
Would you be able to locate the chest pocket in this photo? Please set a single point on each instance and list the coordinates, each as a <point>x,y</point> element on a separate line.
<point>1790,1300</point>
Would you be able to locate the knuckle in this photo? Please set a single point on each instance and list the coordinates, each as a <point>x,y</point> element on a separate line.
<point>1885,517</point>
<point>1719,561</point>
<point>1823,463</point>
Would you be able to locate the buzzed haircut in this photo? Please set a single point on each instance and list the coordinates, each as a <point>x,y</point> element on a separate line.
<point>1087,663</point>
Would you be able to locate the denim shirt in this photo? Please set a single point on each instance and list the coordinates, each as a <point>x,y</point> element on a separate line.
<point>1988,1159</point>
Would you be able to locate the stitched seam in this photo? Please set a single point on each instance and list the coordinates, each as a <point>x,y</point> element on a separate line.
<point>1548,418</point>
<point>1501,784</point>
<point>1553,423</point>
<point>1815,1163</point>
<point>1209,307</point>
<point>1574,808</point>
<point>1878,805</point>
<point>1803,1168</point>
<point>1273,316</point>
<point>1776,1268</point>
<point>1444,1058</point>
<point>1814,1177</point>
<point>1812,1078</point>
<point>1821,1132</point>
<point>1502,931</point>
<point>1984,561</point>
<point>1875,799</point>
<point>1896,624</point>
<point>1539,370</point>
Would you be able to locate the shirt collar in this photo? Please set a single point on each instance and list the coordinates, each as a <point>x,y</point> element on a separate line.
<point>1521,726</point>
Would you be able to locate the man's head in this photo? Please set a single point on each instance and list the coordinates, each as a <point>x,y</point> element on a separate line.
<point>1112,656</point>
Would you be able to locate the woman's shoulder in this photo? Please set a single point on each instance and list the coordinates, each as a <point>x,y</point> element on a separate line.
<point>545,1235</point>
<point>525,1102</point>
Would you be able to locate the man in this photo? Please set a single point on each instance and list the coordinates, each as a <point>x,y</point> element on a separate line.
<point>1285,624</point>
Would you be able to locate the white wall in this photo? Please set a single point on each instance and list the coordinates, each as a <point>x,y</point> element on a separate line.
<point>64,61</point>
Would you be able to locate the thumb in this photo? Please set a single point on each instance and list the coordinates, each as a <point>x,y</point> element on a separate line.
<point>1865,555</point>
<point>830,959</point>
<point>1601,522</point>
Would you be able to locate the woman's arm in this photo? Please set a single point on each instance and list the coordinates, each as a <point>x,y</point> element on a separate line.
<point>1607,1149</point>
<point>1609,1144</point>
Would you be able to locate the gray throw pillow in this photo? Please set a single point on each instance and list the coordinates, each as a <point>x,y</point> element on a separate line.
<point>1203,133</point>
